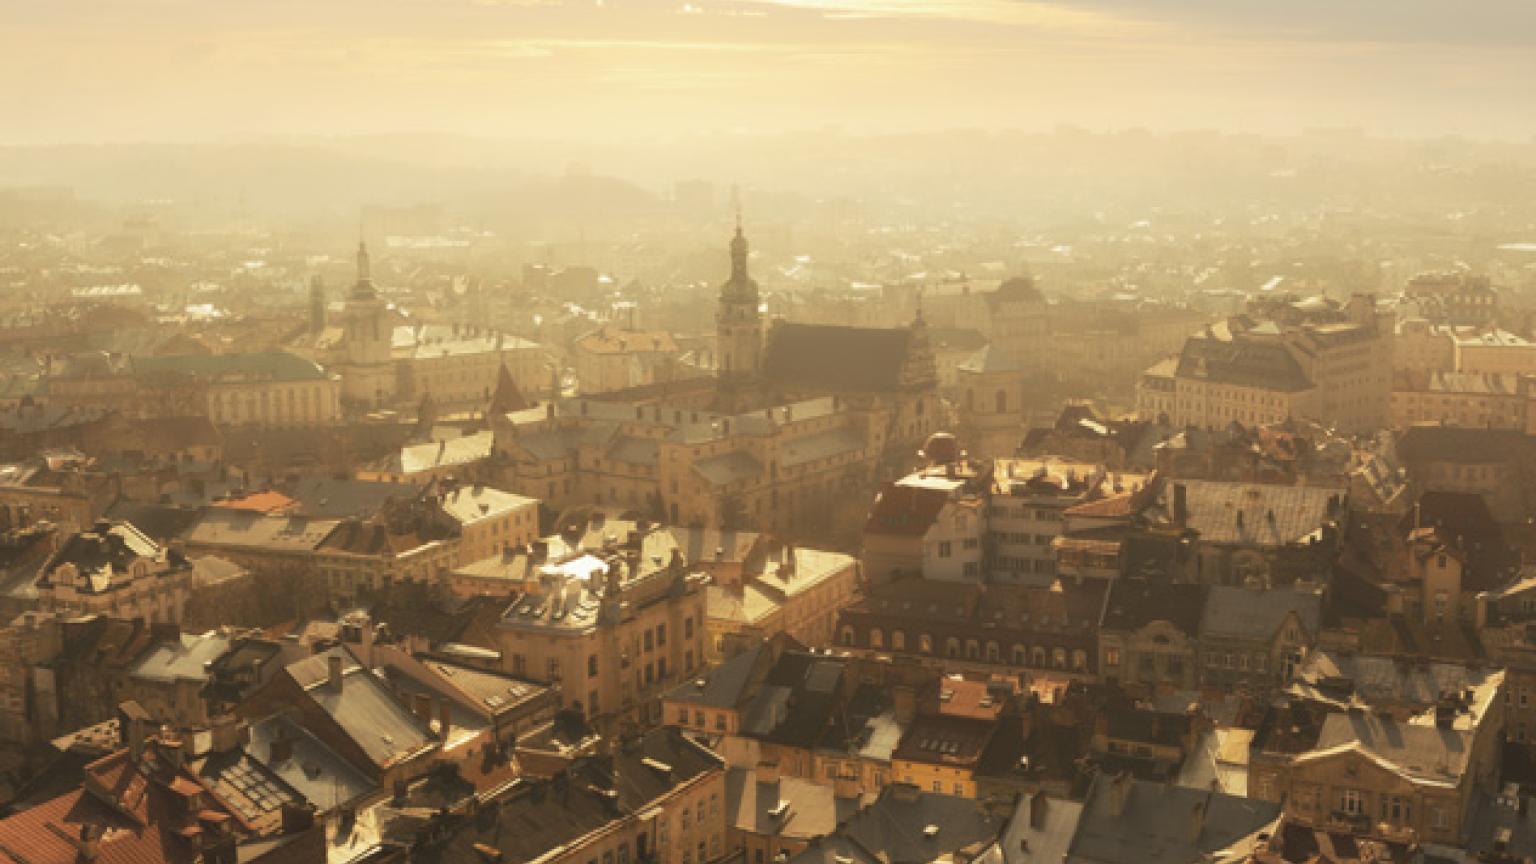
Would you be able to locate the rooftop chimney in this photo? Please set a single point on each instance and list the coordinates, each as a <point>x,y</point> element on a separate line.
<point>1037,808</point>
<point>767,772</point>
<point>845,786</point>
<point>1180,505</point>
<point>333,667</point>
<point>1119,790</point>
<point>904,702</point>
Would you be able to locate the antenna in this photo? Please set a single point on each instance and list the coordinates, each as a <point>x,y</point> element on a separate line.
<point>736,205</point>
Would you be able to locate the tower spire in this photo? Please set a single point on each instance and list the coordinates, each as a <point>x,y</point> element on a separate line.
<point>363,290</point>
<point>364,269</point>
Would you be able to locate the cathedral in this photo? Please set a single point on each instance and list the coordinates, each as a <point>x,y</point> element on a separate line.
<point>799,420</point>
<point>890,369</point>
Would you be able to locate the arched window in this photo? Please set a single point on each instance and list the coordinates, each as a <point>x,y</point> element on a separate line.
<point>1020,655</point>
<point>876,638</point>
<point>925,643</point>
<point>1080,660</point>
<point>847,634</point>
<point>972,649</point>
<point>994,652</point>
<point>951,647</point>
<point>898,640</point>
<point>1059,658</point>
<point>1037,656</point>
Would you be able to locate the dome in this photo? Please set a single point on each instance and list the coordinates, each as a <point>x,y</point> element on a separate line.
<point>941,448</point>
<point>1020,289</point>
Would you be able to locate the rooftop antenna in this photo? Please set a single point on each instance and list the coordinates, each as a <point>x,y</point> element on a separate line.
<point>736,205</point>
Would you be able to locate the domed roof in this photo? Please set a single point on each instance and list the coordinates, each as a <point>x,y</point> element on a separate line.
<point>1021,289</point>
<point>941,448</point>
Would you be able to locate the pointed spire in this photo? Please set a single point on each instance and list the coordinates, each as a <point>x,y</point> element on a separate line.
<point>316,304</point>
<point>507,397</point>
<point>363,290</point>
<point>740,286</point>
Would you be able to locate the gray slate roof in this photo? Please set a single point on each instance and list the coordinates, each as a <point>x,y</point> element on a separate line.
<point>1246,613</point>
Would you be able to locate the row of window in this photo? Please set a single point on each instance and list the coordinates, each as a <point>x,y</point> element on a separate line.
<point>991,651</point>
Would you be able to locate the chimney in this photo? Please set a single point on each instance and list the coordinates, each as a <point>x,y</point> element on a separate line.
<point>1119,790</point>
<point>904,702</point>
<point>228,732</point>
<point>333,667</point>
<point>1037,809</point>
<point>421,706</point>
<point>1197,819</point>
<point>133,726</point>
<point>367,636</point>
<point>88,846</point>
<point>280,748</point>
<point>1180,505</point>
<point>172,748</point>
<point>444,718</point>
<point>845,786</point>
<point>298,818</point>
<point>767,772</point>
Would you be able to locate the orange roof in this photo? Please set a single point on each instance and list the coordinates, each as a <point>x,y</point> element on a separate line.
<point>139,825</point>
<point>260,502</point>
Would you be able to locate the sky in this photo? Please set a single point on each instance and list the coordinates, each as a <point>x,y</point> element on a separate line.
<point>613,70</point>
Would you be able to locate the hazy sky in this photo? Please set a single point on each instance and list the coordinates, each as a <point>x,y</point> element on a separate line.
<point>85,70</point>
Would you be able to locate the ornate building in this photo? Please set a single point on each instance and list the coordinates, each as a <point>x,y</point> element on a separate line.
<point>738,321</point>
<point>367,368</point>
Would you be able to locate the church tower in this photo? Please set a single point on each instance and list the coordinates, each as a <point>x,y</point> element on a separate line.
<point>316,305</point>
<point>367,374</point>
<point>738,321</point>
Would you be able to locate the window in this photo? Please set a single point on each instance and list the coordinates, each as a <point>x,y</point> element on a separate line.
<point>876,638</point>
<point>925,643</point>
<point>1350,802</point>
<point>1111,656</point>
<point>650,644</point>
<point>720,721</point>
<point>898,640</point>
<point>944,549</point>
<point>687,628</point>
<point>1439,817</point>
<point>592,666</point>
<point>661,635</point>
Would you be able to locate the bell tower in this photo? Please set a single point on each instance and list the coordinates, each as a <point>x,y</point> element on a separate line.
<point>368,375</point>
<point>738,321</point>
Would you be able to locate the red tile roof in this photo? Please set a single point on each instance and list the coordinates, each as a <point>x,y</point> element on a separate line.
<point>905,510</point>
<point>139,820</point>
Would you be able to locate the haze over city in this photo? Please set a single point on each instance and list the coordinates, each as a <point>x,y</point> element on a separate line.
<point>767,432</point>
